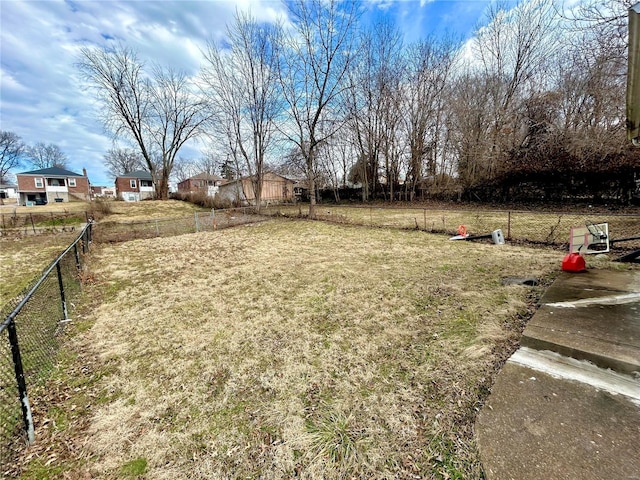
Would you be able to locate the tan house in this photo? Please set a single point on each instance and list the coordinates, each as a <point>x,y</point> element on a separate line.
<point>203,182</point>
<point>135,186</point>
<point>54,184</point>
<point>275,188</point>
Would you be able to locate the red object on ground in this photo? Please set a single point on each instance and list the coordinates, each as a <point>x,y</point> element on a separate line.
<point>574,262</point>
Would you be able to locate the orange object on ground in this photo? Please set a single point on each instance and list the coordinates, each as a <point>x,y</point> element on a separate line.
<point>574,262</point>
<point>462,230</point>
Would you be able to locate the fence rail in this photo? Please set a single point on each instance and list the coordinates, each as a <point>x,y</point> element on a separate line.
<point>549,228</point>
<point>109,232</point>
<point>29,340</point>
<point>34,223</point>
<point>33,322</point>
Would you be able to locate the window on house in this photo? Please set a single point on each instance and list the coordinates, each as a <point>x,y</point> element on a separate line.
<point>146,183</point>
<point>132,183</point>
<point>72,182</point>
<point>39,183</point>
<point>56,182</point>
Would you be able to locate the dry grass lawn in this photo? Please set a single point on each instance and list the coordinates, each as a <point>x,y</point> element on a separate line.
<point>148,209</point>
<point>298,349</point>
<point>24,258</point>
<point>53,207</point>
<point>533,226</point>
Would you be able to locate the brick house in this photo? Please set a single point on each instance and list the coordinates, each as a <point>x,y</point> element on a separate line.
<point>98,191</point>
<point>53,184</point>
<point>203,182</point>
<point>275,188</point>
<point>135,186</point>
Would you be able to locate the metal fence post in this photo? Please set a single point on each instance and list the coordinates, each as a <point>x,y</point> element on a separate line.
<point>195,214</point>
<point>509,225</point>
<point>77,255</point>
<point>62,297</point>
<point>22,385</point>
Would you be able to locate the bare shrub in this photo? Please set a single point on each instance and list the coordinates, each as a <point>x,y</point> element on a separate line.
<point>101,208</point>
<point>203,200</point>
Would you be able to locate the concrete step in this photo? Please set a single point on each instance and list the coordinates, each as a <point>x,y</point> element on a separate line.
<point>593,316</point>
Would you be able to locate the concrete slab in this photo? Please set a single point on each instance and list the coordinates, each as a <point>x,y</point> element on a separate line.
<point>572,286</point>
<point>591,317</point>
<point>552,416</point>
<point>536,426</point>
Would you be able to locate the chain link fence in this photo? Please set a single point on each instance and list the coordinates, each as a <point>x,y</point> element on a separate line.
<point>30,334</point>
<point>33,321</point>
<point>110,232</point>
<point>35,223</point>
<point>548,228</point>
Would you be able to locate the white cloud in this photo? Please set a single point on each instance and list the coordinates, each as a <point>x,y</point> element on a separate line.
<point>42,98</point>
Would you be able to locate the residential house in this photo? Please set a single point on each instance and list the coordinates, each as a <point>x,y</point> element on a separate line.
<point>203,182</point>
<point>102,192</point>
<point>135,186</point>
<point>275,188</point>
<point>8,191</point>
<point>53,184</point>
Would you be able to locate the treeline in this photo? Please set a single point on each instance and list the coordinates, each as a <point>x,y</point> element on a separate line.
<point>14,153</point>
<point>532,107</point>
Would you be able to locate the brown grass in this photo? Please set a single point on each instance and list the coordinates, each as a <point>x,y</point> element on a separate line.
<point>24,258</point>
<point>532,226</point>
<point>53,207</point>
<point>149,209</point>
<point>299,349</point>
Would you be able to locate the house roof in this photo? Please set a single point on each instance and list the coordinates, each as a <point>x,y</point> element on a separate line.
<point>139,174</point>
<point>266,175</point>
<point>205,176</point>
<point>52,172</point>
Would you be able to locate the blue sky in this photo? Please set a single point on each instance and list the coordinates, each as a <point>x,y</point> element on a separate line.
<point>43,100</point>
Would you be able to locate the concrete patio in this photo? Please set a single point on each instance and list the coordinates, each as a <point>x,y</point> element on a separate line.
<point>567,404</point>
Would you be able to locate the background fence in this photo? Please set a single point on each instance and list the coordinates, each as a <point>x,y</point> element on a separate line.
<point>107,231</point>
<point>29,339</point>
<point>33,223</point>
<point>548,228</point>
<point>33,321</point>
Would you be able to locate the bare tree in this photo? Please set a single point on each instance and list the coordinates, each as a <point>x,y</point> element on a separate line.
<point>428,77</point>
<point>374,102</point>
<point>123,160</point>
<point>208,164</point>
<point>321,50</point>
<point>243,91</point>
<point>605,19</point>
<point>43,155</point>
<point>514,49</point>
<point>12,150</point>
<point>157,111</point>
